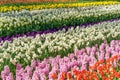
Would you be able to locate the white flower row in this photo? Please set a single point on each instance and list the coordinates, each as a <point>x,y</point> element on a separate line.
<point>12,20</point>
<point>30,48</point>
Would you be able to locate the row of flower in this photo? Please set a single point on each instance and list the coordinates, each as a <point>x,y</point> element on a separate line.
<point>101,70</point>
<point>27,48</point>
<point>38,6</point>
<point>81,10</point>
<point>92,59</point>
<point>59,42</point>
<point>27,21</point>
<point>34,33</point>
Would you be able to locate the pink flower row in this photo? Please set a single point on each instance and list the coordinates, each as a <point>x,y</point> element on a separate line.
<point>81,59</point>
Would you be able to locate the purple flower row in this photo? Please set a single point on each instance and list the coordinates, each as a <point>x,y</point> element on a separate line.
<point>81,59</point>
<point>51,31</point>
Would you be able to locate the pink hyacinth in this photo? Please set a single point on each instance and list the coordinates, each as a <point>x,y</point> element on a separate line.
<point>6,74</point>
<point>80,59</point>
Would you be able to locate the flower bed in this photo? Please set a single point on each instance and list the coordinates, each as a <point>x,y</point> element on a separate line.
<point>24,49</point>
<point>78,61</point>
<point>39,6</point>
<point>28,21</point>
<point>62,41</point>
<point>104,70</point>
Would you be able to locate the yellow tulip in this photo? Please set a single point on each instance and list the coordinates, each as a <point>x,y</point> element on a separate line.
<point>60,5</point>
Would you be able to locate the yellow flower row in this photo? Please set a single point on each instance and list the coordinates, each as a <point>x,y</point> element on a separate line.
<point>55,5</point>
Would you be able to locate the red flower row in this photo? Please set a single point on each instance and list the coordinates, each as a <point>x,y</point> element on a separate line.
<point>101,70</point>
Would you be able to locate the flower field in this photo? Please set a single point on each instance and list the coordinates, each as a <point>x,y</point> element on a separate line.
<point>60,41</point>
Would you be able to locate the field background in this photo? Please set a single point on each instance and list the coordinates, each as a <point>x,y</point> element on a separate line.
<point>42,1</point>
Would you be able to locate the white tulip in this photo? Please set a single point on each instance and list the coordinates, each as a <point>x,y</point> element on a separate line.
<point>1,60</point>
